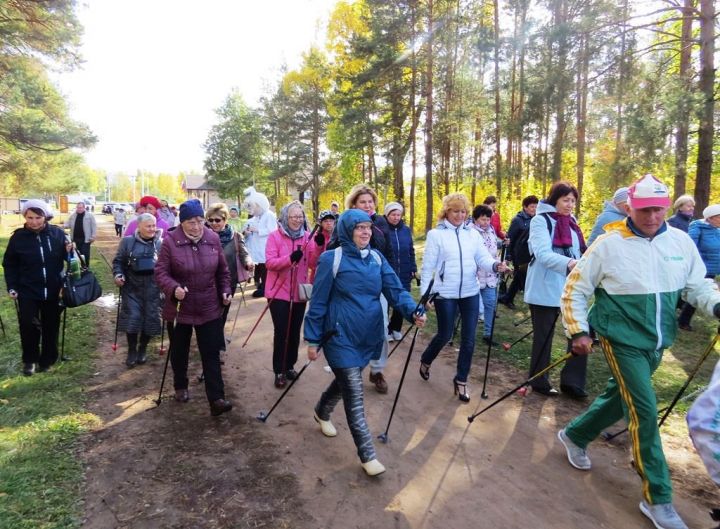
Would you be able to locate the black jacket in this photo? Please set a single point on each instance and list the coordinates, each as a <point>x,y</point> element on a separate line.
<point>519,224</point>
<point>34,262</point>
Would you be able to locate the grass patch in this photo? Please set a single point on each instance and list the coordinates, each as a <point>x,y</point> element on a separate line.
<point>41,420</point>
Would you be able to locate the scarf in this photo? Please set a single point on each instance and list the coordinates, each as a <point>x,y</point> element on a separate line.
<point>226,235</point>
<point>562,238</point>
<point>283,221</point>
<point>193,240</point>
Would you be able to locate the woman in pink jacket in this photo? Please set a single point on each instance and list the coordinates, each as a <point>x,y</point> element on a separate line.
<point>287,264</point>
<point>319,243</point>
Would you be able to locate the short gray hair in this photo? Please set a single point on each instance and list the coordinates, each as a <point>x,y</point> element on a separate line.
<point>144,217</point>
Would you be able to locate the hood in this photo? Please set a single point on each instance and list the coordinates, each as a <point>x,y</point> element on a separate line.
<point>544,207</point>
<point>703,225</point>
<point>612,208</point>
<point>346,224</point>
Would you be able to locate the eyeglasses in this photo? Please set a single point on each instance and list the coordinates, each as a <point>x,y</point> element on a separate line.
<point>296,217</point>
<point>216,221</point>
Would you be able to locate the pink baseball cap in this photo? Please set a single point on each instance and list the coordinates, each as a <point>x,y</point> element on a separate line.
<point>648,192</point>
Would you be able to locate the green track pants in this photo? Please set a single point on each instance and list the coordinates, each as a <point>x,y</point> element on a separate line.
<point>629,393</point>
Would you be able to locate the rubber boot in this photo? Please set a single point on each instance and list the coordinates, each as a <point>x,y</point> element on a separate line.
<point>142,349</point>
<point>132,354</point>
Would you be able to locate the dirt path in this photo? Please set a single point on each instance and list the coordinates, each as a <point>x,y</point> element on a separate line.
<point>176,467</point>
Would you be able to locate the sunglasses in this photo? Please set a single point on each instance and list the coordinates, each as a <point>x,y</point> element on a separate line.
<point>216,221</point>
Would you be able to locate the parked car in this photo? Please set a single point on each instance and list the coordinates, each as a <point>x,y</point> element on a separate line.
<point>109,207</point>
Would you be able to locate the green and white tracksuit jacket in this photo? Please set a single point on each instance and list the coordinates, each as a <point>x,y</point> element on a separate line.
<point>636,282</point>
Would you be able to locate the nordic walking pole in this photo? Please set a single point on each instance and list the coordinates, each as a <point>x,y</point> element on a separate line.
<point>507,346</point>
<point>518,323</point>
<point>162,339</point>
<point>384,436</point>
<point>549,338</point>
<point>709,349</point>
<point>3,327</point>
<point>262,416</point>
<point>63,358</point>
<point>117,318</point>
<point>232,332</point>
<point>540,373</point>
<point>158,401</point>
<point>484,394</point>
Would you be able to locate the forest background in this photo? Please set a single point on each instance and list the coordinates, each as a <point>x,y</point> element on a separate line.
<point>418,99</point>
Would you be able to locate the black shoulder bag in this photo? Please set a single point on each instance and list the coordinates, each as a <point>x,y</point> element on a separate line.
<point>80,291</point>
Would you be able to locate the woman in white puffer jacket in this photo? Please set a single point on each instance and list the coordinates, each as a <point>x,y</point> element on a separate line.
<point>453,253</point>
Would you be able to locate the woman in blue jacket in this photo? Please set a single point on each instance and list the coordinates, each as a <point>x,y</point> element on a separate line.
<point>346,299</point>
<point>401,240</point>
<point>706,235</point>
<point>557,243</point>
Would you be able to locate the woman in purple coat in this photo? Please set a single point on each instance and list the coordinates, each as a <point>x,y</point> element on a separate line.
<point>192,272</point>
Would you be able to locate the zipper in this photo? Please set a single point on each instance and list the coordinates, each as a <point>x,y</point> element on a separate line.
<point>397,253</point>
<point>457,235</point>
<point>658,307</point>
<point>42,259</point>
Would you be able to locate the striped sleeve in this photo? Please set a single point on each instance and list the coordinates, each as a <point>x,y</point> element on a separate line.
<point>579,288</point>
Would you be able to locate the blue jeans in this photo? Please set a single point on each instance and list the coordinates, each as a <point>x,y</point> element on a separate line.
<point>489,299</point>
<point>446,310</point>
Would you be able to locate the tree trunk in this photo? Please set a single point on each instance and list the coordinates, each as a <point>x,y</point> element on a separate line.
<point>683,124</point>
<point>496,59</point>
<point>581,112</point>
<point>429,122</point>
<point>413,114</point>
<point>618,173</point>
<point>561,87</point>
<point>707,83</point>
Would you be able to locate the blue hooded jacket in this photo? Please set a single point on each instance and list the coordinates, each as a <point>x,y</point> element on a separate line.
<point>610,213</point>
<point>707,239</point>
<point>349,303</point>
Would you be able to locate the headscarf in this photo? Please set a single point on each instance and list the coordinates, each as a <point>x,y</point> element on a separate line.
<point>283,221</point>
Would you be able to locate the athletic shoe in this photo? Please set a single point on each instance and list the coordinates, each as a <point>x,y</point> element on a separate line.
<point>373,467</point>
<point>663,515</point>
<point>397,335</point>
<point>326,427</point>
<point>280,380</point>
<point>379,380</point>
<point>28,369</point>
<point>576,456</point>
<point>390,337</point>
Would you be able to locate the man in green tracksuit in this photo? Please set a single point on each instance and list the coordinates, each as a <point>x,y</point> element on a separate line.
<point>637,272</point>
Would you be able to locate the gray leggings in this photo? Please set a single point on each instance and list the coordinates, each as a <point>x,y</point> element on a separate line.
<point>348,386</point>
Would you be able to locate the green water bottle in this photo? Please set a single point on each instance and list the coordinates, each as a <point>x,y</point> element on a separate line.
<point>75,266</point>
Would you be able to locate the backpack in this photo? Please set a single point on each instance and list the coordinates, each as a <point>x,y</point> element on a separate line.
<point>521,250</point>
<point>338,256</point>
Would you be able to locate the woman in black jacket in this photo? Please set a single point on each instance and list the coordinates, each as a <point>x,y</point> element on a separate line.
<point>134,268</point>
<point>33,264</point>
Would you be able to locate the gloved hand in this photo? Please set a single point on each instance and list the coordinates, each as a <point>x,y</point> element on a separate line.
<point>296,256</point>
<point>319,238</point>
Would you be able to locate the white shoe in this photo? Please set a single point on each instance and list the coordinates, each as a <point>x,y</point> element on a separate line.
<point>326,427</point>
<point>577,456</point>
<point>373,467</point>
<point>663,515</point>
<point>397,335</point>
<point>390,337</point>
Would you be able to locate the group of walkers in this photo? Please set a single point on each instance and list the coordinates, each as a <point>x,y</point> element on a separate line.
<point>346,285</point>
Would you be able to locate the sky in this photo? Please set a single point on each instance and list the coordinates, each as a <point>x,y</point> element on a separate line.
<point>155,71</point>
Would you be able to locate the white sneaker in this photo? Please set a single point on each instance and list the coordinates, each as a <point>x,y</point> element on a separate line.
<point>326,427</point>
<point>390,337</point>
<point>373,467</point>
<point>397,335</point>
<point>576,456</point>
<point>663,515</point>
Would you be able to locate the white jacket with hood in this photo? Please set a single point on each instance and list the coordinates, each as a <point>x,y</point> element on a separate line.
<point>454,254</point>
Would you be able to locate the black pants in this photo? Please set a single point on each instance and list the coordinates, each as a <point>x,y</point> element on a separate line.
<point>688,310</point>
<point>39,320</point>
<point>118,230</point>
<point>396,321</point>
<point>575,370</point>
<point>259,276</point>
<point>84,249</point>
<point>518,283</point>
<point>209,338</point>
<point>286,342</point>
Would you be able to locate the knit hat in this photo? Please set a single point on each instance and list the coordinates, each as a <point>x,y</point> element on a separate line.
<point>36,203</point>
<point>190,209</point>
<point>235,208</point>
<point>391,206</point>
<point>648,192</point>
<point>620,197</point>
<point>325,214</point>
<point>711,211</point>
<point>150,200</point>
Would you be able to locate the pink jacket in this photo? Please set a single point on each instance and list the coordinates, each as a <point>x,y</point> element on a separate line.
<point>314,251</point>
<point>277,260</point>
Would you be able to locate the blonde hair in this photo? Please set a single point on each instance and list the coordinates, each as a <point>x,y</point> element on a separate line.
<point>682,200</point>
<point>356,191</point>
<point>452,201</point>
<point>218,209</point>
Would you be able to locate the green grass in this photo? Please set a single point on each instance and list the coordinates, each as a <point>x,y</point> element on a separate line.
<point>41,420</point>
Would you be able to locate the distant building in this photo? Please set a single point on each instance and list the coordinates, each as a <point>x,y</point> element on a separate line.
<point>196,186</point>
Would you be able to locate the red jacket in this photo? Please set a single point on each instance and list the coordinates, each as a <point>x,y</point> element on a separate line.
<point>201,268</point>
<point>496,224</point>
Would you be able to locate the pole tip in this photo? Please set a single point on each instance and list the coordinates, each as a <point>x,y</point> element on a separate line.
<point>471,418</point>
<point>383,437</point>
<point>262,416</point>
<point>114,347</point>
<point>506,346</point>
<point>523,391</point>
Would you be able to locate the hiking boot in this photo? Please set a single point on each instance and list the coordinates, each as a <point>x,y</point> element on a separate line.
<point>379,380</point>
<point>28,369</point>
<point>576,456</point>
<point>663,515</point>
<point>291,374</point>
<point>373,467</point>
<point>182,395</point>
<point>280,380</point>
<point>326,427</point>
